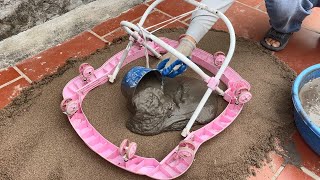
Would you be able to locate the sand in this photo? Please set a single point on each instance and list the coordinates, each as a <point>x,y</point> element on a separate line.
<point>310,99</point>
<point>37,141</point>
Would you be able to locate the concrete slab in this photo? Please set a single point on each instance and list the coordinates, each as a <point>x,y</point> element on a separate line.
<point>55,31</point>
<point>19,15</point>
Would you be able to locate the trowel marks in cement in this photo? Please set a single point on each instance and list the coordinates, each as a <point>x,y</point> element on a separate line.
<point>310,99</point>
<point>38,142</point>
<point>156,109</point>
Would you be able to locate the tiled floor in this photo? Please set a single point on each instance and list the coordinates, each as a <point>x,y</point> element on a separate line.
<point>250,21</point>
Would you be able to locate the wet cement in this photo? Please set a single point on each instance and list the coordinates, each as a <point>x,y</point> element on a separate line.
<point>157,108</point>
<point>310,100</point>
<point>38,142</point>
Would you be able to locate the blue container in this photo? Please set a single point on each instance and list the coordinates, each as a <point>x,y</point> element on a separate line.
<point>308,130</point>
<point>135,75</point>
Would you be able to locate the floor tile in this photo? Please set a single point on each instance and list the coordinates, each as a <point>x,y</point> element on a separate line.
<point>309,158</point>
<point>48,61</point>
<point>175,7</point>
<point>291,172</point>
<point>302,50</point>
<point>114,23</point>
<point>312,21</point>
<point>157,17</point>
<point>115,35</point>
<point>153,18</point>
<point>11,91</point>
<point>262,6</point>
<point>252,3</point>
<point>247,22</point>
<point>7,75</point>
<point>269,169</point>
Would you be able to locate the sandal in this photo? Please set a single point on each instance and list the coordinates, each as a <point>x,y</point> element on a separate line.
<point>283,38</point>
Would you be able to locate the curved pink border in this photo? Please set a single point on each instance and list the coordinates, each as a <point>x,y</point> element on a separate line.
<point>169,167</point>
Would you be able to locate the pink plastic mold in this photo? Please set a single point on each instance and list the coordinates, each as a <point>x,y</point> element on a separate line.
<point>179,160</point>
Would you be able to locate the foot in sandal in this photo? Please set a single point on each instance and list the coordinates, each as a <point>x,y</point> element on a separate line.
<point>275,40</point>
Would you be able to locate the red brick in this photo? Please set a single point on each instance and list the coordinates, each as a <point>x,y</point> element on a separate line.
<point>302,50</point>
<point>312,22</point>
<point>309,158</point>
<point>8,74</point>
<point>11,91</point>
<point>114,23</point>
<point>157,17</point>
<point>47,62</point>
<point>291,172</point>
<point>153,18</point>
<point>115,35</point>
<point>247,22</point>
<point>252,3</point>
<point>175,7</point>
<point>270,168</point>
<point>262,6</point>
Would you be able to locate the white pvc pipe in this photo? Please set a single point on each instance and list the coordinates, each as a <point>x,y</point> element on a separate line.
<point>231,48</point>
<point>118,67</point>
<point>184,59</point>
<point>125,53</point>
<point>170,49</point>
<point>186,130</point>
<point>145,44</point>
<point>231,33</point>
<point>216,12</point>
<point>148,11</point>
<point>220,91</point>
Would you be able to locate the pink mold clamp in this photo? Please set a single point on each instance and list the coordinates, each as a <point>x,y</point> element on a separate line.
<point>179,160</point>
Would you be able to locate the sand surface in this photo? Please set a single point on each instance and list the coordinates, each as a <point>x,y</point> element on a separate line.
<point>37,141</point>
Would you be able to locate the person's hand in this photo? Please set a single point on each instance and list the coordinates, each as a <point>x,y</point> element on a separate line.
<point>171,66</point>
<point>172,70</point>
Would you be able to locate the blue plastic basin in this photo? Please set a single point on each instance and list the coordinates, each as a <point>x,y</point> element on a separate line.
<point>308,130</point>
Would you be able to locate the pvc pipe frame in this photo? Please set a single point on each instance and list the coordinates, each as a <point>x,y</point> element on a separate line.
<point>113,76</point>
<point>128,26</point>
<point>123,57</point>
<point>184,59</point>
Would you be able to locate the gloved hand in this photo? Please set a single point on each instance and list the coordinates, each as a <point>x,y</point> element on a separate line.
<point>173,70</point>
<point>171,66</point>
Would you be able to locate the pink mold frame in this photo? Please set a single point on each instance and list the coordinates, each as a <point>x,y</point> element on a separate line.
<point>179,160</point>
<point>174,164</point>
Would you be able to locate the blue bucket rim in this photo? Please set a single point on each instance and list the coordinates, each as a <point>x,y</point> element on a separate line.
<point>296,99</point>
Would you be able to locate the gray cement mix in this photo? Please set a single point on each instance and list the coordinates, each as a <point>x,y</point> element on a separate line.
<point>169,107</point>
<point>38,142</point>
<point>310,99</point>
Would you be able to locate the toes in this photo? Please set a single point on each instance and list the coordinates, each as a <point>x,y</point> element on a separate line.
<point>268,41</point>
<point>276,44</point>
<point>272,42</point>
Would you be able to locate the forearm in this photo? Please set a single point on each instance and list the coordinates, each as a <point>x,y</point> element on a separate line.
<point>202,21</point>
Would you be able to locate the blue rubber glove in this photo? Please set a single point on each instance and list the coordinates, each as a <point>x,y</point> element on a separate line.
<point>169,70</point>
<point>171,66</point>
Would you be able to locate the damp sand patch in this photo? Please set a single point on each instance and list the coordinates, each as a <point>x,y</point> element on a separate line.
<point>38,142</point>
